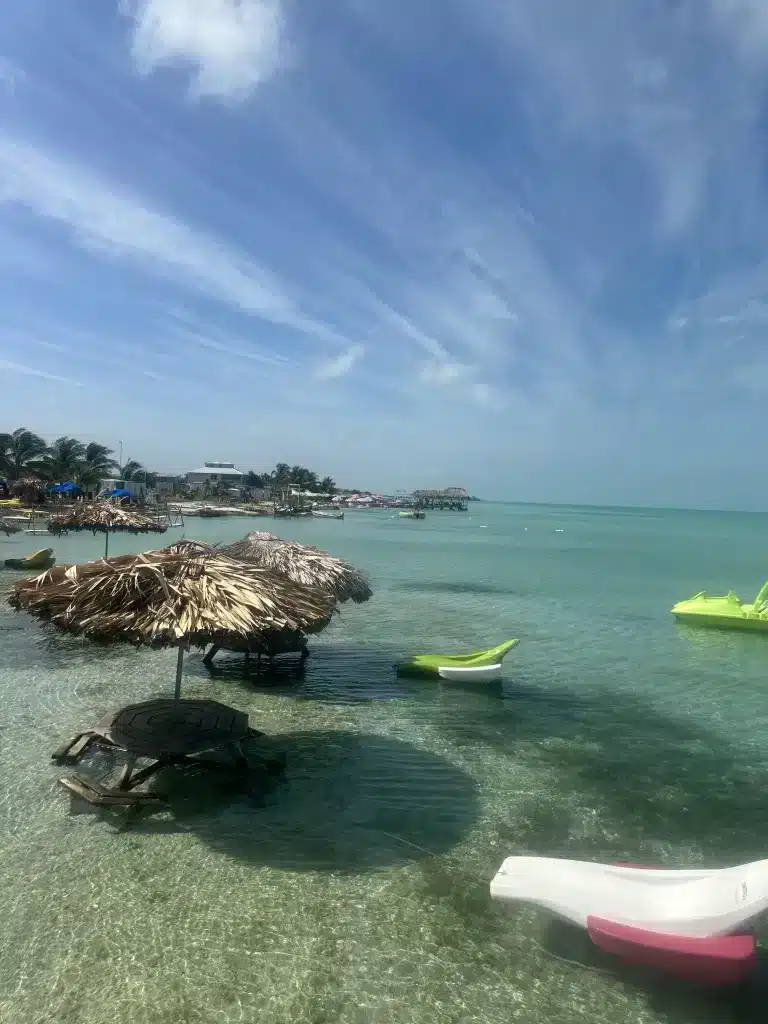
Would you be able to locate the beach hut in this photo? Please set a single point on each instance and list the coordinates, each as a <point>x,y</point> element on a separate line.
<point>106,518</point>
<point>168,599</point>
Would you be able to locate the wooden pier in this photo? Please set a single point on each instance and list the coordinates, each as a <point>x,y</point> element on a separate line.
<point>452,499</point>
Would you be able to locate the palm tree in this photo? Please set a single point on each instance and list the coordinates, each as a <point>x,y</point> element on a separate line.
<point>281,475</point>
<point>327,485</point>
<point>131,470</point>
<point>97,464</point>
<point>64,459</point>
<point>5,447</point>
<point>303,478</point>
<point>21,453</point>
<point>252,479</point>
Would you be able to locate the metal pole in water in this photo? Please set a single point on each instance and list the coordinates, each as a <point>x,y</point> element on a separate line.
<point>179,667</point>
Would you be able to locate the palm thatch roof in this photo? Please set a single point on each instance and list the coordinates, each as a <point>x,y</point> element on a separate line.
<point>190,547</point>
<point>103,517</point>
<point>304,564</point>
<point>28,487</point>
<point>156,598</point>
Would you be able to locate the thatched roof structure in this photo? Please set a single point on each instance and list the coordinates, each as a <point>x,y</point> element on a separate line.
<point>157,598</point>
<point>29,488</point>
<point>190,547</point>
<point>303,564</point>
<point>104,517</point>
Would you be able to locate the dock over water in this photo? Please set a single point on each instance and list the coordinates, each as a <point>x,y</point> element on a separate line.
<point>453,499</point>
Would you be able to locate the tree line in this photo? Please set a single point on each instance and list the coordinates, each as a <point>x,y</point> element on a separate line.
<point>24,454</point>
<point>284,476</point>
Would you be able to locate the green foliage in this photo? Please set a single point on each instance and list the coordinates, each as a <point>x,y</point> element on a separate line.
<point>131,470</point>
<point>97,465</point>
<point>300,478</point>
<point>252,479</point>
<point>64,460</point>
<point>22,454</point>
<point>25,454</point>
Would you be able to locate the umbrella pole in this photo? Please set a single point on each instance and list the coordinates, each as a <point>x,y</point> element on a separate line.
<point>179,668</point>
<point>106,542</point>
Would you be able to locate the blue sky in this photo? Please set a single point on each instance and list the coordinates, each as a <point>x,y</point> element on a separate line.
<point>516,246</point>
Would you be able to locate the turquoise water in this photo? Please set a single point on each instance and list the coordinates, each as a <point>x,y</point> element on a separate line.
<point>356,889</point>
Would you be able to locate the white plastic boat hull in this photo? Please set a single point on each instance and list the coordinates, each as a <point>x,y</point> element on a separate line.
<point>454,674</point>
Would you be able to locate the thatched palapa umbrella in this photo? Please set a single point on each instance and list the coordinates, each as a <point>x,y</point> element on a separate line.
<point>105,518</point>
<point>172,598</point>
<point>163,599</point>
<point>303,563</point>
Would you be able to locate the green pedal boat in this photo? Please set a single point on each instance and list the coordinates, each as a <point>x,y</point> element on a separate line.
<point>727,612</point>
<point>477,667</point>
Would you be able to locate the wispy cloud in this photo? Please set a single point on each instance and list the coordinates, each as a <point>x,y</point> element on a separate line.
<point>660,82</point>
<point>546,217</point>
<point>115,223</point>
<point>33,371</point>
<point>339,366</point>
<point>441,374</point>
<point>231,45</point>
<point>218,341</point>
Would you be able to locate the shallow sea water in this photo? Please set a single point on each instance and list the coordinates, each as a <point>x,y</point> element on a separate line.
<point>356,889</point>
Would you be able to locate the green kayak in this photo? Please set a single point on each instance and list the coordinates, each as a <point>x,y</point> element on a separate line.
<point>727,612</point>
<point>479,666</point>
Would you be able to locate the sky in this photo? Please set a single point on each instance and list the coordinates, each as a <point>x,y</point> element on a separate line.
<point>512,246</point>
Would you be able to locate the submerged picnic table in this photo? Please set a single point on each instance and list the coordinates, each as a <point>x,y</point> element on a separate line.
<point>168,731</point>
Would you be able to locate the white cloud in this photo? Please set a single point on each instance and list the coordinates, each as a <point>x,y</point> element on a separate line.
<point>460,377</point>
<point>30,371</point>
<point>340,365</point>
<point>657,79</point>
<point>233,45</point>
<point>441,374</point>
<point>234,347</point>
<point>116,224</point>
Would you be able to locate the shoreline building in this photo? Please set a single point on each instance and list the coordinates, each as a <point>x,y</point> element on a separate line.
<point>214,473</point>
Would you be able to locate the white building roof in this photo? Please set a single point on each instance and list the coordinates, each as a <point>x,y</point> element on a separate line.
<point>218,468</point>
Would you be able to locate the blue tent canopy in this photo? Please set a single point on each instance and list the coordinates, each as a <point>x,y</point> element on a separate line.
<point>68,488</point>
<point>119,492</point>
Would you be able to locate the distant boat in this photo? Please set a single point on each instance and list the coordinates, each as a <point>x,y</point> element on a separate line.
<point>291,513</point>
<point>415,513</point>
<point>319,514</point>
